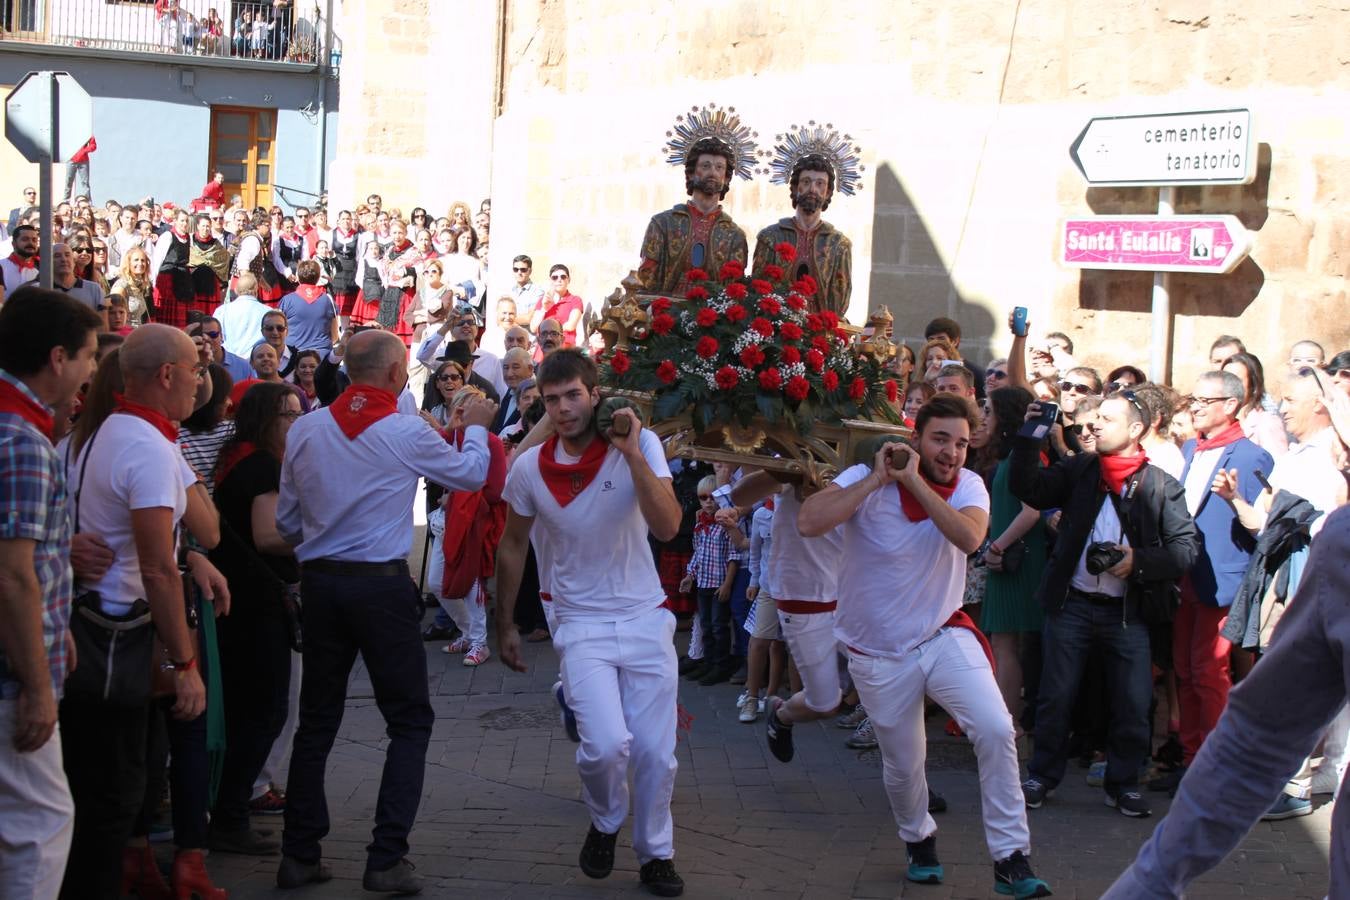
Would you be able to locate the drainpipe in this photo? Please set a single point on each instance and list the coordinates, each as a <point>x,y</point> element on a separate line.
<point>325,60</point>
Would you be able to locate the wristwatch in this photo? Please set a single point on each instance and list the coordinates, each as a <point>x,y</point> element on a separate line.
<point>171,665</point>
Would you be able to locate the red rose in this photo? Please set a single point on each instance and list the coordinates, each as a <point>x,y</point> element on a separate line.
<point>830,319</point>
<point>733,269</point>
<point>726,378</point>
<point>831,380</point>
<point>892,390</point>
<point>791,355</point>
<point>815,361</point>
<point>696,275</point>
<point>786,252</point>
<point>771,379</point>
<point>706,347</point>
<point>770,306</point>
<point>752,356</point>
<point>760,286</point>
<point>737,291</point>
<point>790,331</point>
<point>662,323</point>
<point>858,389</point>
<point>797,388</point>
<point>762,326</point>
<point>815,323</point>
<point>735,312</point>
<point>796,301</point>
<point>667,372</point>
<point>659,305</point>
<point>620,363</point>
<point>773,272</point>
<point>696,293</point>
<point>805,286</point>
<point>707,317</point>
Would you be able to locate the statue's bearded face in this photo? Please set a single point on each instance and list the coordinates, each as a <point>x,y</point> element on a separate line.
<point>709,175</point>
<point>813,191</point>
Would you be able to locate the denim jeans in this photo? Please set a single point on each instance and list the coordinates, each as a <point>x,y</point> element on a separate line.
<point>740,608</point>
<point>715,618</point>
<point>1071,635</point>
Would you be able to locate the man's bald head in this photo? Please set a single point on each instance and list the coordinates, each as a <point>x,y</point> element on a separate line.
<point>517,336</point>
<point>150,346</point>
<point>372,355</point>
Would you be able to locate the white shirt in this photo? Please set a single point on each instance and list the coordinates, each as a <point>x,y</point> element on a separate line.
<point>1168,457</point>
<point>325,519</point>
<point>593,553</point>
<point>13,277</point>
<point>899,581</point>
<point>1106,528</point>
<point>1308,471</point>
<point>112,489</point>
<point>801,568</point>
<point>1200,478</point>
<point>761,548</point>
<point>241,323</point>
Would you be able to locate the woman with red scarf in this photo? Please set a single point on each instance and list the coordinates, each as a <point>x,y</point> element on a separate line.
<point>399,276</point>
<point>174,291</point>
<point>209,265</point>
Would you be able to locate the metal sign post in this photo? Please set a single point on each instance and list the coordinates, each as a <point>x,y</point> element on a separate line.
<point>45,185</point>
<point>1158,358</point>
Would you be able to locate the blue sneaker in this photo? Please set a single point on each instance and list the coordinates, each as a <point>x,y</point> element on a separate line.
<point>924,867</point>
<point>1096,775</point>
<point>1013,878</point>
<point>1288,807</point>
<point>569,721</point>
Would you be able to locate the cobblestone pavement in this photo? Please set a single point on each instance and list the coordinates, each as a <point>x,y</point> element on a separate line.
<point>501,815</point>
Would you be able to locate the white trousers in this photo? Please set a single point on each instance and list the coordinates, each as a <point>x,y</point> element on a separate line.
<point>951,668</point>
<point>37,815</point>
<point>469,613</point>
<point>270,773</point>
<point>620,680</point>
<point>810,639</point>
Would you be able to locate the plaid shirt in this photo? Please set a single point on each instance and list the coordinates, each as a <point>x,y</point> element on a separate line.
<point>712,554</point>
<point>33,504</point>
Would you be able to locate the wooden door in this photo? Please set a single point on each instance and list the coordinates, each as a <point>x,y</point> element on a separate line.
<point>243,148</point>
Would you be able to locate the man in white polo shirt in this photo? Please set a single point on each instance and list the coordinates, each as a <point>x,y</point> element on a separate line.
<point>587,502</point>
<point>353,547</point>
<point>906,525</point>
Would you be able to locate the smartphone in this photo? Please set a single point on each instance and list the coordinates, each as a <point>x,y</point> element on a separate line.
<point>1261,477</point>
<point>1039,427</point>
<point>1019,323</point>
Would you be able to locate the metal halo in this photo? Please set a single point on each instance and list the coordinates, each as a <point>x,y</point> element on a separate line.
<point>721,124</point>
<point>804,140</point>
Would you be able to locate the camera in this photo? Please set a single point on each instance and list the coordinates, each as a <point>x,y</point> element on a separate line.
<point>1102,556</point>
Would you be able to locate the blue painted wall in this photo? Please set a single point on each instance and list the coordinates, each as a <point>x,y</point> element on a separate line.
<point>154,133</point>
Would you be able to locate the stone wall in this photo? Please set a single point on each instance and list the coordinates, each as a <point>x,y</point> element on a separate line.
<point>965,112</point>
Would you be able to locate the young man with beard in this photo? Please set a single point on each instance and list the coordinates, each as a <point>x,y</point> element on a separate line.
<point>20,267</point>
<point>613,636</point>
<point>908,521</point>
<point>822,252</point>
<point>698,234</point>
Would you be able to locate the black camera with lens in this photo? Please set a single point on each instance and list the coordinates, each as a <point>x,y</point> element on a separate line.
<point>1102,556</point>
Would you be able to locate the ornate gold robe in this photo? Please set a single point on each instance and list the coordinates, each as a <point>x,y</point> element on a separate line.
<point>826,254</point>
<point>668,245</point>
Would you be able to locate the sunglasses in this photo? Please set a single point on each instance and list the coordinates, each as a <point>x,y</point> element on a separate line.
<point>274,328</point>
<point>705,496</point>
<point>1306,371</point>
<point>1134,401</point>
<point>520,269</point>
<point>211,334</point>
<point>558,277</point>
<point>81,250</point>
<point>995,373</point>
<point>1073,387</point>
<point>449,376</point>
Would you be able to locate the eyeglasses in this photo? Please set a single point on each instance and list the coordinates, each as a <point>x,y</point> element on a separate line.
<point>548,332</point>
<point>274,327</point>
<point>995,373</point>
<point>520,268</point>
<point>1073,387</point>
<point>1204,401</point>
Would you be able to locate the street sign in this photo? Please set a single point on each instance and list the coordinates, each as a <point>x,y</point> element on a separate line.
<point>1210,147</point>
<point>1204,244</point>
<point>31,111</point>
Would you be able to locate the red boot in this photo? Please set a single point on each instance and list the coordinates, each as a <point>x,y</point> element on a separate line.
<point>141,876</point>
<point>190,879</point>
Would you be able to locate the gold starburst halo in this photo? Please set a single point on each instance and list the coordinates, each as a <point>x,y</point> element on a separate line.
<point>844,156</point>
<point>721,124</point>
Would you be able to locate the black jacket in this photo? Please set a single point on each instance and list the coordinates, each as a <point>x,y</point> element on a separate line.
<point>1153,513</point>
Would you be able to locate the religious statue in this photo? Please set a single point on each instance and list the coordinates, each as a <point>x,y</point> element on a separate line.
<point>812,161</point>
<point>713,146</point>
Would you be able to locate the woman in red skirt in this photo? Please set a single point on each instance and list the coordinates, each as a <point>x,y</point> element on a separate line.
<point>209,264</point>
<point>400,283</point>
<point>174,294</point>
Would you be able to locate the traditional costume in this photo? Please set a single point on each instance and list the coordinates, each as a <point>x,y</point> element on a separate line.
<point>342,283</point>
<point>174,291</point>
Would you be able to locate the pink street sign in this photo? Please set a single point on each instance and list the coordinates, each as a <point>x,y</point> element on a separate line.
<point>1205,244</point>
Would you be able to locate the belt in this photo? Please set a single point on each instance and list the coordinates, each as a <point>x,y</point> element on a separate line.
<point>1096,599</point>
<point>805,607</point>
<point>366,569</point>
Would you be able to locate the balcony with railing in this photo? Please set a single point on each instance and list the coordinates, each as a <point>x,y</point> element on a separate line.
<point>246,32</point>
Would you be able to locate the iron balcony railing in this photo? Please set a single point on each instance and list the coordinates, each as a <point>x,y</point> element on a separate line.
<point>269,30</point>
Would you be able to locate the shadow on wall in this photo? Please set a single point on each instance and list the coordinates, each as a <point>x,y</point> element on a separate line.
<point>911,279</point>
<point>1191,295</point>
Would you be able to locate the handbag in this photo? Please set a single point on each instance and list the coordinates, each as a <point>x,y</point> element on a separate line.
<point>1013,556</point>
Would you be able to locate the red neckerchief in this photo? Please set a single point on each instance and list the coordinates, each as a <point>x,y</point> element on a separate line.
<point>910,505</point>
<point>705,521</point>
<point>345,235</point>
<point>769,504</point>
<point>565,482</point>
<point>233,456</point>
<point>1230,435</point>
<point>360,407</point>
<point>1116,470</point>
<point>959,619</point>
<point>161,422</point>
<point>13,400</point>
<point>310,292</point>
<point>30,262</point>
<point>178,234</point>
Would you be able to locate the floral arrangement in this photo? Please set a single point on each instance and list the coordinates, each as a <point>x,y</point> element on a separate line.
<point>739,346</point>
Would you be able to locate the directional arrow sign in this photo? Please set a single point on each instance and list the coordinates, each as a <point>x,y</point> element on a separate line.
<point>1206,244</point>
<point>1212,147</point>
<point>29,111</point>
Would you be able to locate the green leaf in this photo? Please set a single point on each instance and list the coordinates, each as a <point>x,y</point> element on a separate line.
<point>670,404</point>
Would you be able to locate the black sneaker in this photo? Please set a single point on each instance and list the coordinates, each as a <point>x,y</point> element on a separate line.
<point>936,802</point>
<point>1168,782</point>
<point>698,669</point>
<point>1013,878</point>
<point>597,854</point>
<point>686,664</point>
<point>922,857</point>
<point>434,632</point>
<point>718,674</point>
<point>778,732</point>
<point>661,879</point>
<point>1034,791</point>
<point>1129,803</point>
